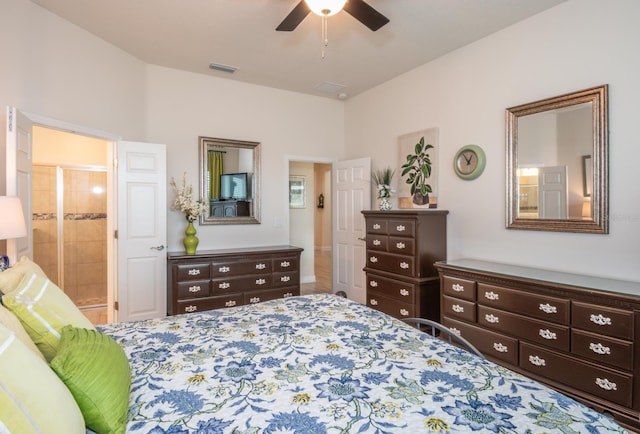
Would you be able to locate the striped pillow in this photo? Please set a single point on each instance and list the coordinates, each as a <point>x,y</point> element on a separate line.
<point>44,309</point>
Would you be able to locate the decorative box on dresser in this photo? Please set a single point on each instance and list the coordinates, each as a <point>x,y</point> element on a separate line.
<point>402,246</point>
<point>213,279</point>
<point>578,334</point>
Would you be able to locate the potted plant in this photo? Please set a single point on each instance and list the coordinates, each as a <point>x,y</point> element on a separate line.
<point>382,178</point>
<point>418,167</point>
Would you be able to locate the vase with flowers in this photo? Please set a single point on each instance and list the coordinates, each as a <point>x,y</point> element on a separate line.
<point>382,179</point>
<point>191,208</point>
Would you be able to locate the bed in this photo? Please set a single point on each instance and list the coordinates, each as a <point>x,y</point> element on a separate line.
<point>325,364</point>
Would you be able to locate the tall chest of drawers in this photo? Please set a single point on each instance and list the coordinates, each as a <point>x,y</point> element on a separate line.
<point>214,279</point>
<point>402,246</point>
<point>578,334</point>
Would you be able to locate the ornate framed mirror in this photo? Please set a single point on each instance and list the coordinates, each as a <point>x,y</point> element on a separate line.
<point>230,181</point>
<point>557,163</point>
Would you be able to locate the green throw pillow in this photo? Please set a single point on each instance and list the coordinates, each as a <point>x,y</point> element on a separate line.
<point>96,371</point>
<point>43,309</point>
<point>32,399</point>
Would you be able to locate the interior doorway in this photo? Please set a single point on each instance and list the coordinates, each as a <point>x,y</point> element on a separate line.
<point>69,202</point>
<point>310,211</point>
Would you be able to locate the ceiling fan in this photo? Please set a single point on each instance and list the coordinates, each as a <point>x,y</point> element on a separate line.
<point>356,8</point>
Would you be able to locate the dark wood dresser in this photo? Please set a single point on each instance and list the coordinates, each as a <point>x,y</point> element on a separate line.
<point>213,279</point>
<point>402,246</point>
<point>578,334</point>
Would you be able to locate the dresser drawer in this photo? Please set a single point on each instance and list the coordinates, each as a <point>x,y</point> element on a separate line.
<point>194,271</point>
<point>397,264</point>
<point>406,228</point>
<point>252,297</point>
<point>377,242</point>
<point>402,246</point>
<point>603,320</point>
<point>533,305</point>
<point>285,279</point>
<point>455,307</point>
<point>390,306</point>
<point>208,303</point>
<point>489,343</point>
<point>376,226</point>
<point>541,332</point>
<point>239,268</point>
<point>401,291</point>
<point>240,283</point>
<point>605,383</point>
<point>194,288</point>
<point>286,264</point>
<point>602,349</point>
<point>460,288</point>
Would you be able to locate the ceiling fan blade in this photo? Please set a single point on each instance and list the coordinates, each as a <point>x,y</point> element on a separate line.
<point>295,17</point>
<point>364,13</point>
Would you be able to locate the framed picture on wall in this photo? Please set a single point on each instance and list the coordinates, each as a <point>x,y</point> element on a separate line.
<point>297,192</point>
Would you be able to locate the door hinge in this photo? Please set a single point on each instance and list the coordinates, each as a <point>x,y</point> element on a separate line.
<point>115,234</point>
<point>116,305</point>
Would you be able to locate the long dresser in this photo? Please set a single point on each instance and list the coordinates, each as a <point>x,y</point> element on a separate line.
<point>578,334</point>
<point>213,279</point>
<point>402,246</point>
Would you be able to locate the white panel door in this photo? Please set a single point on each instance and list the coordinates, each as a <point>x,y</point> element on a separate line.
<point>351,195</point>
<point>142,231</point>
<point>553,193</point>
<point>18,176</point>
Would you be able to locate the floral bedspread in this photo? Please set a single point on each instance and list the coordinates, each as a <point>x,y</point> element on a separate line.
<point>324,364</point>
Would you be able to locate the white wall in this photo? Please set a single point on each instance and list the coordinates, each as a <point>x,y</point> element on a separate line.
<point>302,221</point>
<point>576,45</point>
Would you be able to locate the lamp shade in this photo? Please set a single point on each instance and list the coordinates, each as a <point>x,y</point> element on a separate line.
<point>325,7</point>
<point>12,223</point>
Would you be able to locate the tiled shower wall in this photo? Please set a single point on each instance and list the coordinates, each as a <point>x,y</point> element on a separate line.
<point>79,244</point>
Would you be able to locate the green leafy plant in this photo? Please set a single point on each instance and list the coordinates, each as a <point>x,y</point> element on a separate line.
<point>382,178</point>
<point>418,167</point>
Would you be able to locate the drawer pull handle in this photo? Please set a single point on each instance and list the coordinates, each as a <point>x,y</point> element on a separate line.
<point>457,287</point>
<point>373,283</point>
<point>230,303</point>
<point>600,319</point>
<point>547,334</point>
<point>401,228</point>
<point>373,259</point>
<point>599,348</point>
<point>500,347</point>
<point>285,264</point>
<point>254,300</point>
<point>285,278</point>
<point>492,318</point>
<point>404,265</point>
<point>287,295</point>
<point>373,302</point>
<point>376,226</point>
<point>404,292</point>
<point>547,308</point>
<point>224,285</point>
<point>224,269</point>
<point>190,308</point>
<point>261,266</point>
<point>535,360</point>
<point>401,245</point>
<point>457,308</point>
<point>605,384</point>
<point>195,288</point>
<point>194,272</point>
<point>260,281</point>
<point>377,242</point>
<point>404,312</point>
<point>492,295</point>
<point>455,331</point>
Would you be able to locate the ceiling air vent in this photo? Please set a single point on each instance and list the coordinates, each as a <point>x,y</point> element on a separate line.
<point>223,68</point>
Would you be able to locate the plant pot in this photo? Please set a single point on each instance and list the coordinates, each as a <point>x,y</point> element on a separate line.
<point>420,199</point>
<point>384,204</point>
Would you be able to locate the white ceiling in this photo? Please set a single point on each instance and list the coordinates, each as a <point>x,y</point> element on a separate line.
<point>190,34</point>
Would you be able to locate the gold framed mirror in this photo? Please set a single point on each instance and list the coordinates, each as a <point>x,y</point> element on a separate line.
<point>230,181</point>
<point>557,163</point>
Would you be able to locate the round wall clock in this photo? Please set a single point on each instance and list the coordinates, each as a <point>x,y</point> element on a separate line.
<point>469,162</point>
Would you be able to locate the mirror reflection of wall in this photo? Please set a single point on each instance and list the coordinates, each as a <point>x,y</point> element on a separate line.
<point>553,142</point>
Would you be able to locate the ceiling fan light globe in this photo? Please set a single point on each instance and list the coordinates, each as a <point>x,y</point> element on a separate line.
<point>325,8</point>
